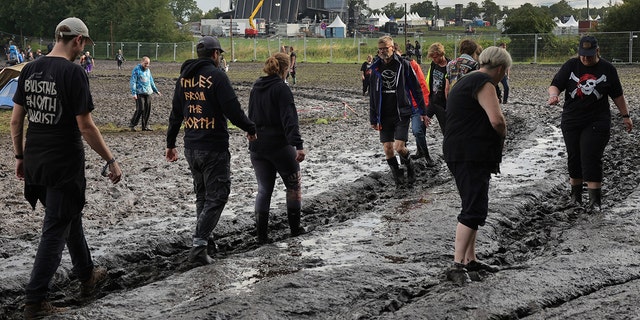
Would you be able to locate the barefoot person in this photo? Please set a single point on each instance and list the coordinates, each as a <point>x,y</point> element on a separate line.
<point>390,107</point>
<point>278,149</point>
<point>588,82</point>
<point>472,148</point>
<point>203,100</point>
<point>53,93</point>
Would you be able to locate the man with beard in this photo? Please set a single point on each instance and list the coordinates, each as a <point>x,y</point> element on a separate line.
<point>53,93</point>
<point>203,100</point>
<point>394,84</point>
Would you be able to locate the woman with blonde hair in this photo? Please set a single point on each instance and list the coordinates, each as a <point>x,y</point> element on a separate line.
<point>472,147</point>
<point>279,146</point>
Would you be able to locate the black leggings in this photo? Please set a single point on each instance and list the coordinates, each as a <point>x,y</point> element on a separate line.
<point>281,161</point>
<point>585,147</point>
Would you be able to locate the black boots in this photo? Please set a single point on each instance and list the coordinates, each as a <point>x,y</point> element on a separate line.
<point>419,154</point>
<point>576,195</point>
<point>262,227</point>
<point>595,198</point>
<point>423,153</point>
<point>411,173</point>
<point>398,174</point>
<point>294,222</point>
<point>198,255</point>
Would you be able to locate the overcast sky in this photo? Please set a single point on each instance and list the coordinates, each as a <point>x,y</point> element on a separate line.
<point>206,5</point>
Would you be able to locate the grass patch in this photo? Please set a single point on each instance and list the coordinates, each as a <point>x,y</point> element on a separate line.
<point>5,121</point>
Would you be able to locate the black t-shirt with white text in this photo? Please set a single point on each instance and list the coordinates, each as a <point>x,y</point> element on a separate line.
<point>53,91</point>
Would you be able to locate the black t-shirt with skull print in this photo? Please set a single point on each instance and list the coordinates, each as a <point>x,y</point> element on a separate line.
<point>587,91</point>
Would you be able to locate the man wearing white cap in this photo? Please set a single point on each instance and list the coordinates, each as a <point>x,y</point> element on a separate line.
<point>53,94</point>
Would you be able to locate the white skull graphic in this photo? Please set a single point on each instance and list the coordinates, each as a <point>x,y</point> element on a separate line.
<point>588,86</point>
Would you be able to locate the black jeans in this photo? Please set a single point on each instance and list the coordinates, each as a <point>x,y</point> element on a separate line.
<point>441,115</point>
<point>212,184</point>
<point>281,161</point>
<point>62,225</point>
<point>585,148</point>
<point>143,110</point>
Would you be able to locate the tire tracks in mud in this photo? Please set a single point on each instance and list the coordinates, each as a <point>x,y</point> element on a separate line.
<point>533,231</point>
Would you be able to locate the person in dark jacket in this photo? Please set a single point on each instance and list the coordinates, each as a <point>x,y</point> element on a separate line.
<point>393,85</point>
<point>436,79</point>
<point>366,74</point>
<point>203,100</point>
<point>472,148</point>
<point>279,146</point>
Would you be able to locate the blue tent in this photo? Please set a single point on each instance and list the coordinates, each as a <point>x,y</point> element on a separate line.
<point>6,94</point>
<point>8,84</point>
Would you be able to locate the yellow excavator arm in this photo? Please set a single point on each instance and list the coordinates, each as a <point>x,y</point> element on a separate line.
<point>253,14</point>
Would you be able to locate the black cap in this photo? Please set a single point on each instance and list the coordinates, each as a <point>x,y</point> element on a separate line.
<point>588,46</point>
<point>209,43</point>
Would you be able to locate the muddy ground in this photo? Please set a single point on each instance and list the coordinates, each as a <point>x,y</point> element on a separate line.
<point>374,252</point>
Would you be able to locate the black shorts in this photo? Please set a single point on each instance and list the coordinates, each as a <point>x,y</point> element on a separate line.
<point>394,128</point>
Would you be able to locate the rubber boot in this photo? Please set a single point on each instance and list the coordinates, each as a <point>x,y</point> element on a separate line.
<point>595,198</point>
<point>576,195</point>
<point>419,154</point>
<point>411,173</point>
<point>294,222</point>
<point>427,157</point>
<point>398,174</point>
<point>262,227</point>
<point>198,255</point>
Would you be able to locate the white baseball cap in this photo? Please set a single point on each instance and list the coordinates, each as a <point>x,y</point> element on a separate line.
<point>76,27</point>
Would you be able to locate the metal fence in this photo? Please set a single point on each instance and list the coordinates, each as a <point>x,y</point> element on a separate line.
<point>618,47</point>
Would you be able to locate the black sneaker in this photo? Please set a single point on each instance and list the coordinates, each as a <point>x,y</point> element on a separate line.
<point>458,274</point>
<point>475,265</point>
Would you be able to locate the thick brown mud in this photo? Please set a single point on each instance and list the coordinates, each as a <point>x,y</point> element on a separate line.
<point>373,252</point>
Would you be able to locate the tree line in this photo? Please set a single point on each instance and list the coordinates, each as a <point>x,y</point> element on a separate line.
<point>161,20</point>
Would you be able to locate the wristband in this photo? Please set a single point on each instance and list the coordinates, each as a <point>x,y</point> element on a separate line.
<point>552,95</point>
<point>106,167</point>
<point>19,156</point>
<point>624,116</point>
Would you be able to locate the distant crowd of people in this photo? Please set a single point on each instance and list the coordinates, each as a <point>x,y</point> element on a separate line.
<point>16,55</point>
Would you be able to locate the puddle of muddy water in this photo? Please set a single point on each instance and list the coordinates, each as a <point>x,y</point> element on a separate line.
<point>532,163</point>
